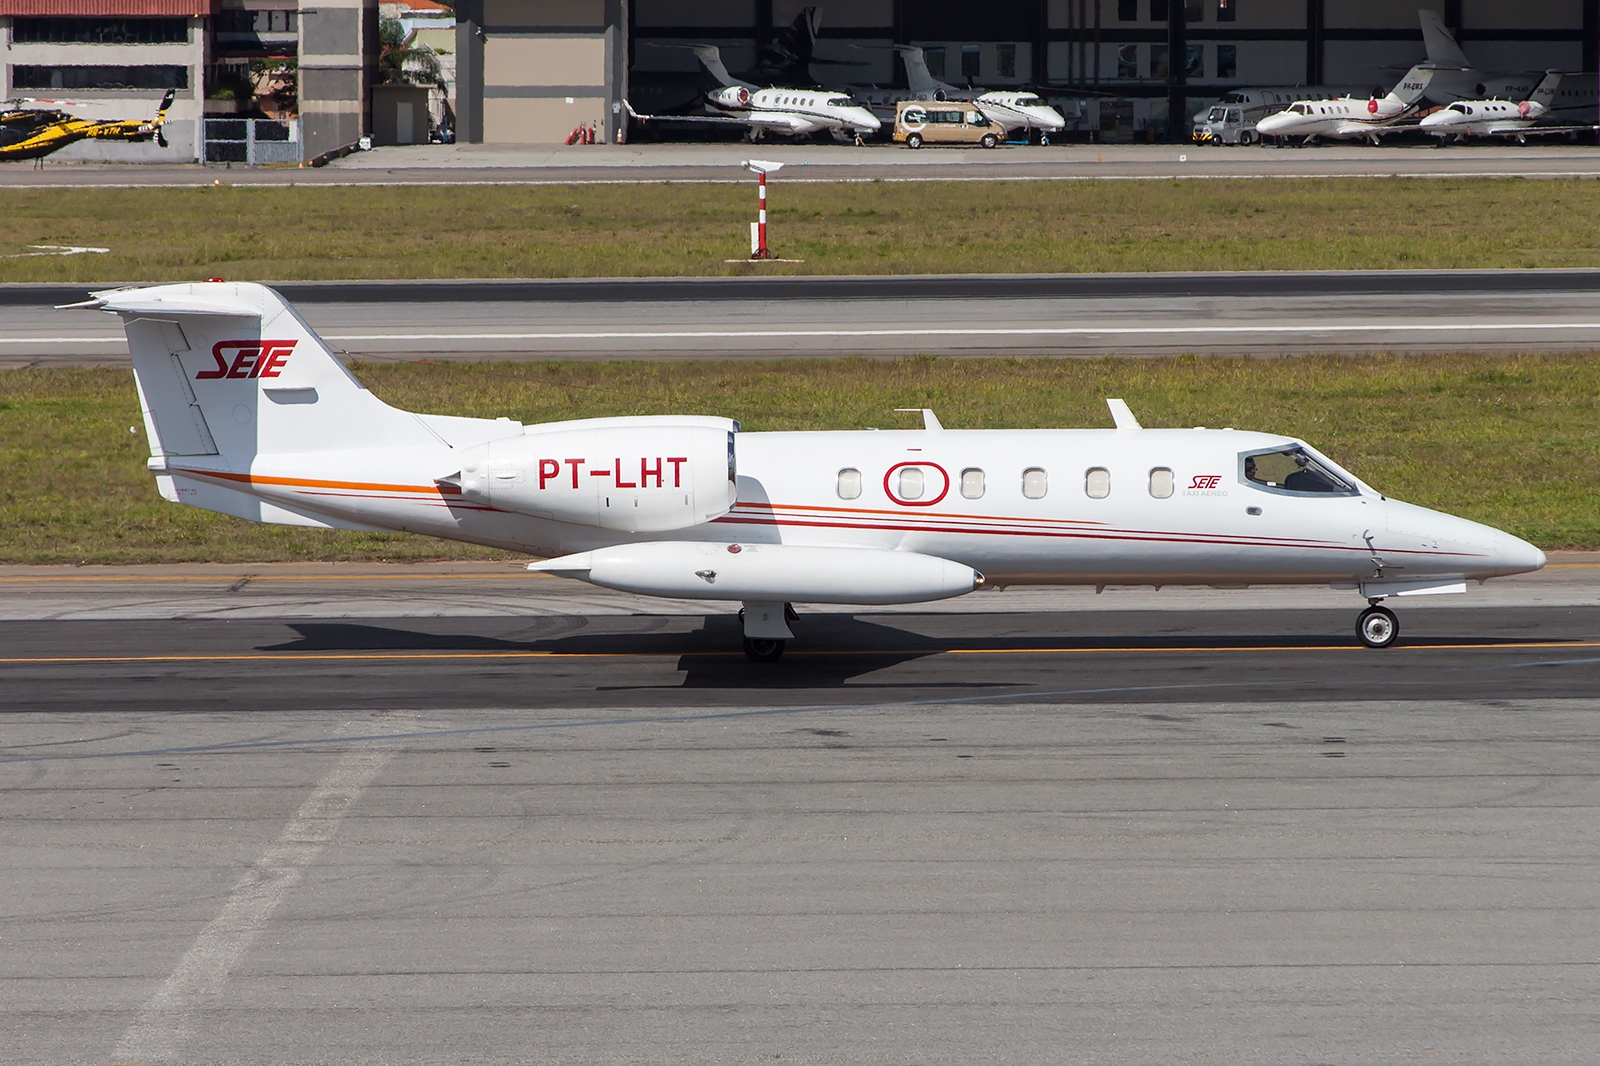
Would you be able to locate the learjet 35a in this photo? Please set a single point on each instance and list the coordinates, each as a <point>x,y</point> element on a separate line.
<point>250,414</point>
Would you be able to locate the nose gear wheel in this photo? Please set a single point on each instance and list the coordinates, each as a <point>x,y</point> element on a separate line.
<point>1377,627</point>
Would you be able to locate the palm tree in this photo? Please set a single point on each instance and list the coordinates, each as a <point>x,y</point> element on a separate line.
<point>401,64</point>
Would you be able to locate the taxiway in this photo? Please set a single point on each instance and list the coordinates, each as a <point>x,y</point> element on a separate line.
<point>763,318</point>
<point>372,815</point>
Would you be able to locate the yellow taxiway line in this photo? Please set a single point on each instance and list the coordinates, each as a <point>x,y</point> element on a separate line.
<point>401,656</point>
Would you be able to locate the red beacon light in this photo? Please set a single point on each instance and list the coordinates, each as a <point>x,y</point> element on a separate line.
<point>214,279</point>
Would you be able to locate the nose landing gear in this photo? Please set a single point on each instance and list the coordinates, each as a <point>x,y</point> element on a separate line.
<point>1377,626</point>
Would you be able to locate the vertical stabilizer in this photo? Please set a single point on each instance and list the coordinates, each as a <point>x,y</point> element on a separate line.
<point>711,56</point>
<point>230,370</point>
<point>1544,93</point>
<point>918,79</point>
<point>1443,51</point>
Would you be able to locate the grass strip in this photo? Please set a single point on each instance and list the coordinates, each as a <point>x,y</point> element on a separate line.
<point>1511,441</point>
<point>309,233</point>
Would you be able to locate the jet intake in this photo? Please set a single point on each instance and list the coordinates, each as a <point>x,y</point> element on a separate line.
<point>627,474</point>
<point>768,572</point>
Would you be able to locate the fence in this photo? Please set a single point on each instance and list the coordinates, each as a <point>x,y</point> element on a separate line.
<point>252,141</point>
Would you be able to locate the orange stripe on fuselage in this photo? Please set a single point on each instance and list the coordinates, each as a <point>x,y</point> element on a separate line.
<point>316,483</point>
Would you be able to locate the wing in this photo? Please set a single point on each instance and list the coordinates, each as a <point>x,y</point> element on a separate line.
<point>781,121</point>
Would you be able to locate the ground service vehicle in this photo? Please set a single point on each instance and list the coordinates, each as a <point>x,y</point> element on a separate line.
<point>954,122</point>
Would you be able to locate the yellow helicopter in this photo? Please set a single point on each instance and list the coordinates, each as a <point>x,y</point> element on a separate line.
<point>29,133</point>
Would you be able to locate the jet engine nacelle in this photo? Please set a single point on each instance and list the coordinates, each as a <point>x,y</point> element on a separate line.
<point>627,474</point>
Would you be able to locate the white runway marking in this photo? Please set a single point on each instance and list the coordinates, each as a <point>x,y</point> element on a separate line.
<point>166,1022</point>
<point>1019,331</point>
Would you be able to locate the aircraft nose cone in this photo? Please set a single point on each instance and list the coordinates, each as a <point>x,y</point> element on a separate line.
<point>1513,555</point>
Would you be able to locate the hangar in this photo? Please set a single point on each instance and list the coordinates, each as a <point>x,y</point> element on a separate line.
<point>533,69</point>
<point>529,71</point>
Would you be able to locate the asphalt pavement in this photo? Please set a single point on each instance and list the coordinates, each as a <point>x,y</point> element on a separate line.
<point>491,164</point>
<point>331,814</point>
<point>1281,313</point>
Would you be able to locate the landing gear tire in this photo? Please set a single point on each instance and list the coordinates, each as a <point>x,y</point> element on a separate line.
<point>1377,627</point>
<point>764,651</point>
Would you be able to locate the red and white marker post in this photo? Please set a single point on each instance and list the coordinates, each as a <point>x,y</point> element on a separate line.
<point>758,228</point>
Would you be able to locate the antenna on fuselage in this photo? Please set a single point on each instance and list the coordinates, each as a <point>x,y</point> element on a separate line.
<point>1122,416</point>
<point>930,421</point>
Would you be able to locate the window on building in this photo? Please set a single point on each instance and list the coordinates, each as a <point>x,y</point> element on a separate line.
<point>1005,61</point>
<point>1097,482</point>
<point>1227,10</point>
<point>972,483</point>
<point>934,57</point>
<point>1127,10</point>
<point>254,23</point>
<point>849,484</point>
<point>1159,67</point>
<point>911,483</point>
<point>1158,10</point>
<point>1194,61</point>
<point>1128,61</point>
<point>149,77</point>
<point>1227,61</point>
<point>100,31</point>
<point>1035,483</point>
<point>971,57</point>
<point>1194,10</point>
<point>1161,482</point>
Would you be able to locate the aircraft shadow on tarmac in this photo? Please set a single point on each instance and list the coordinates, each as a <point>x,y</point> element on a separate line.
<point>831,649</point>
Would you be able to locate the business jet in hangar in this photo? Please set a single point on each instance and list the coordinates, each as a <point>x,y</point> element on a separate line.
<point>250,414</point>
<point>787,112</point>
<point>1500,118</point>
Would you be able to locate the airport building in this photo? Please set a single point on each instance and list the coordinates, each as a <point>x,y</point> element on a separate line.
<point>531,71</point>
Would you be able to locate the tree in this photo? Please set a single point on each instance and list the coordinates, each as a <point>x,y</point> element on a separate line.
<point>401,64</point>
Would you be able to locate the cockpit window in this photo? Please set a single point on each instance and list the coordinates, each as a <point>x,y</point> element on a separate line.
<point>1294,470</point>
<point>1029,101</point>
<point>1300,109</point>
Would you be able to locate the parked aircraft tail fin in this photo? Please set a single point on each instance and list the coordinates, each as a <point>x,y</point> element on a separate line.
<point>1544,93</point>
<point>230,370</point>
<point>918,78</point>
<point>1443,51</point>
<point>711,56</point>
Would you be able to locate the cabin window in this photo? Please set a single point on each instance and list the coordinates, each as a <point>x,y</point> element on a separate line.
<point>1161,482</point>
<point>1034,483</point>
<point>911,481</point>
<point>972,483</point>
<point>1294,470</point>
<point>1097,482</point>
<point>849,484</point>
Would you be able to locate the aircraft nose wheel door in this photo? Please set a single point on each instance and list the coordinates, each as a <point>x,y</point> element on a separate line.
<point>1377,627</point>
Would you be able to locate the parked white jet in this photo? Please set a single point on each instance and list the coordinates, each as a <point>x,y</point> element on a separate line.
<point>1009,109</point>
<point>248,413</point>
<point>1499,118</point>
<point>791,112</point>
<point>1343,119</point>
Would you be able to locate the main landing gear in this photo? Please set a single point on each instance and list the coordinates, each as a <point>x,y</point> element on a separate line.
<point>766,630</point>
<point>1377,626</point>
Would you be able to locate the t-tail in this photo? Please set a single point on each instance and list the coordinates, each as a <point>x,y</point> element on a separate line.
<point>1544,93</point>
<point>232,382</point>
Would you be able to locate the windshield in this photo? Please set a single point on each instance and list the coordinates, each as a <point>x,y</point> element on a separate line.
<point>1217,114</point>
<point>1300,109</point>
<point>840,101</point>
<point>1029,101</point>
<point>1293,469</point>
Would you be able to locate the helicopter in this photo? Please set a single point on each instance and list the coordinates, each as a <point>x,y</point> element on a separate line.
<point>32,133</point>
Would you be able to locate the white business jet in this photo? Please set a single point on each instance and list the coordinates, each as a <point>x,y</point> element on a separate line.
<point>1499,118</point>
<point>248,413</point>
<point>1342,119</point>
<point>789,112</point>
